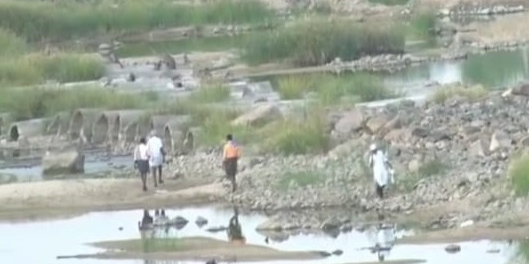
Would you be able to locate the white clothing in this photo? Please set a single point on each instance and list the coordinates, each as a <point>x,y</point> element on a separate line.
<point>141,153</point>
<point>154,148</point>
<point>378,162</point>
<point>385,237</point>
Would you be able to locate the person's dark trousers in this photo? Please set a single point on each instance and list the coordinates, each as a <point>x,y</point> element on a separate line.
<point>379,190</point>
<point>230,165</point>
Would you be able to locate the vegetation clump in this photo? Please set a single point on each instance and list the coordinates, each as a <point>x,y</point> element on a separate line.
<point>318,41</point>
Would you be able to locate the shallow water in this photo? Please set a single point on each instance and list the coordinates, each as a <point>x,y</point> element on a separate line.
<point>93,165</point>
<point>41,242</point>
<point>492,69</point>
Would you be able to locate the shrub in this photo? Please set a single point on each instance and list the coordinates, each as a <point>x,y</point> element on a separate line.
<point>30,103</point>
<point>319,41</point>
<point>472,93</point>
<point>390,2</point>
<point>519,173</point>
<point>37,20</point>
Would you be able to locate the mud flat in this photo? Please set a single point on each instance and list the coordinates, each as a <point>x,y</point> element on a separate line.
<point>193,248</point>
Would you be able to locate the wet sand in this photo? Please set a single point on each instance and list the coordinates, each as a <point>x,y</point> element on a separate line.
<point>194,248</point>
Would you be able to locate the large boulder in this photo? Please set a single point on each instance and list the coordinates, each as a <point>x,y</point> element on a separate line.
<point>351,121</point>
<point>258,116</point>
<point>63,162</point>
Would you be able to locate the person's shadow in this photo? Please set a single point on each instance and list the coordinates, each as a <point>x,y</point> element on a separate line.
<point>234,231</point>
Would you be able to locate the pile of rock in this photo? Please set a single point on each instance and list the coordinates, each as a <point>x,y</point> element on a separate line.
<point>473,141</point>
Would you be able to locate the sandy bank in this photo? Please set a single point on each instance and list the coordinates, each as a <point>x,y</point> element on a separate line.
<point>192,248</point>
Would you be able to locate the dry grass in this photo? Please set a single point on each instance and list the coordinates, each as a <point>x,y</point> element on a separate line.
<point>471,93</point>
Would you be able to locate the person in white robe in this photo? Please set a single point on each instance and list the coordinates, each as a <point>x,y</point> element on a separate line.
<point>382,171</point>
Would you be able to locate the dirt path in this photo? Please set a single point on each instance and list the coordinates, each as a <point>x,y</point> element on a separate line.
<point>37,200</point>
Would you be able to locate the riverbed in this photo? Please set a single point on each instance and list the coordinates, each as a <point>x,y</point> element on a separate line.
<point>42,242</point>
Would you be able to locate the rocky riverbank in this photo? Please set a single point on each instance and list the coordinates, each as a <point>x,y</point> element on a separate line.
<point>454,152</point>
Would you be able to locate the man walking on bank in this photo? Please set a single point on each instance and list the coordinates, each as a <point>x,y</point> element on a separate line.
<point>382,172</point>
<point>156,157</point>
<point>231,155</point>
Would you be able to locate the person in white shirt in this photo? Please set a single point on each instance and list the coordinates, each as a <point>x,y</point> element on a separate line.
<point>141,161</point>
<point>156,156</point>
<point>382,170</point>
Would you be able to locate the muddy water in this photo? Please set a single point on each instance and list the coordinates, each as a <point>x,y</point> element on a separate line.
<point>41,242</point>
<point>93,165</point>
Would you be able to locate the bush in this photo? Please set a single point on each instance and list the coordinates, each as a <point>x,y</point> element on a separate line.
<point>30,103</point>
<point>331,89</point>
<point>519,173</point>
<point>37,20</point>
<point>472,93</point>
<point>318,41</point>
<point>390,2</point>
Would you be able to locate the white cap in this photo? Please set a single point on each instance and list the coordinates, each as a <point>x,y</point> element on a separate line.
<point>153,133</point>
<point>373,147</point>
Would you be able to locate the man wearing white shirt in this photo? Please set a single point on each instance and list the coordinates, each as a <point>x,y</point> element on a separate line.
<point>156,156</point>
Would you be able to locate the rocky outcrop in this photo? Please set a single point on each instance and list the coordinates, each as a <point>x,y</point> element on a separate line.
<point>63,162</point>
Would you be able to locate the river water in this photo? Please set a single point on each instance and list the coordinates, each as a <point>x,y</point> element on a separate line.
<point>42,242</point>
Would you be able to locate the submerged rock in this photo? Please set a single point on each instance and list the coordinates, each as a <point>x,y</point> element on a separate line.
<point>453,248</point>
<point>201,221</point>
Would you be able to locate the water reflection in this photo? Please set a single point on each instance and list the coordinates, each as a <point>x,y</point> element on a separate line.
<point>234,229</point>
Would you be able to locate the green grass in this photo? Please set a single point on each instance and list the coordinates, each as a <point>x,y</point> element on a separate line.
<point>40,20</point>
<point>174,47</point>
<point>37,102</point>
<point>422,26</point>
<point>432,168</point>
<point>519,173</point>
<point>299,179</point>
<point>331,89</point>
<point>317,41</point>
<point>472,93</point>
<point>19,66</point>
<point>292,136</point>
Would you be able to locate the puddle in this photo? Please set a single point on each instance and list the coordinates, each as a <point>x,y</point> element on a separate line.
<point>93,165</point>
<point>41,242</point>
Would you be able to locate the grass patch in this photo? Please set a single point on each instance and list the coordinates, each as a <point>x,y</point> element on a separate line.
<point>471,93</point>
<point>318,41</point>
<point>331,89</point>
<point>38,102</point>
<point>299,179</point>
<point>294,136</point>
<point>519,173</point>
<point>390,2</point>
<point>432,168</point>
<point>422,26</point>
<point>137,49</point>
<point>21,67</point>
<point>38,20</point>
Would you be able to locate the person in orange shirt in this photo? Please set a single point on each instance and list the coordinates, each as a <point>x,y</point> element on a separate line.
<point>231,156</point>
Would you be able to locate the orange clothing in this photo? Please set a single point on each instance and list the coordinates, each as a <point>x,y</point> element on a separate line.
<point>231,151</point>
